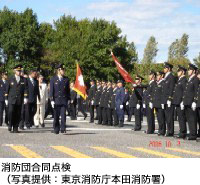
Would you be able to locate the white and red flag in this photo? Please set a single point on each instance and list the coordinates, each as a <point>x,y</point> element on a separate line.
<point>79,86</point>
<point>122,71</point>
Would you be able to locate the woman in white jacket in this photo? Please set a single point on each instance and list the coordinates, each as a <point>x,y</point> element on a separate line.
<point>39,116</point>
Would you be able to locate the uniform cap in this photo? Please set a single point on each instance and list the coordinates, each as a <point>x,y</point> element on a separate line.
<point>181,68</point>
<point>18,67</point>
<point>60,66</point>
<point>192,67</point>
<point>168,65</point>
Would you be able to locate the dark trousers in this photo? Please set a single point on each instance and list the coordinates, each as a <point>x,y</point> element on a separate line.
<point>150,120</point>
<point>100,118</point>
<point>120,115</point>
<point>104,115</point>
<point>97,112</point>
<point>126,109</point>
<point>169,119</point>
<point>14,115</point>
<point>181,121</point>
<point>59,110</point>
<point>137,113</point>
<point>191,117</point>
<point>30,111</point>
<point>114,117</point>
<point>161,121</point>
<point>108,115</point>
<point>73,110</point>
<point>22,120</point>
<point>81,107</point>
<point>91,108</point>
<point>2,109</point>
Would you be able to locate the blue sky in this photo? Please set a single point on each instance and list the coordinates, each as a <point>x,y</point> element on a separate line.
<point>138,19</point>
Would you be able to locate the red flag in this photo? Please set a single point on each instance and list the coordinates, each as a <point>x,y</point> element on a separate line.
<point>122,71</point>
<point>79,86</point>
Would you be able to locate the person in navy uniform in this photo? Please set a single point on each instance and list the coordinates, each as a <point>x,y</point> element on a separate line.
<point>126,101</point>
<point>198,105</point>
<point>190,102</point>
<point>157,101</point>
<point>177,101</point>
<point>60,96</point>
<point>167,95</point>
<point>91,98</point>
<point>135,103</point>
<point>16,94</point>
<point>73,102</point>
<point>148,105</point>
<point>3,83</point>
<point>33,94</point>
<point>119,102</point>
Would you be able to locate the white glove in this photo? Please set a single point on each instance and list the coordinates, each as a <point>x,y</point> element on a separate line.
<point>6,102</point>
<point>194,106</point>
<point>169,103</point>
<point>182,106</point>
<point>144,106</point>
<point>92,102</point>
<point>127,103</point>
<point>72,101</point>
<point>163,106</point>
<point>25,100</point>
<point>151,105</point>
<point>134,85</point>
<point>121,106</point>
<point>52,104</point>
<point>138,106</point>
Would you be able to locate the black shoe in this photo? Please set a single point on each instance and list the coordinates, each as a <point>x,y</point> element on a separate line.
<point>55,132</point>
<point>21,128</point>
<point>0,125</point>
<point>85,117</point>
<point>180,136</point>
<point>9,129</point>
<point>120,125</point>
<point>137,129</point>
<point>28,128</point>
<point>91,122</point>
<point>43,125</point>
<point>169,135</point>
<point>191,138</point>
<point>63,131</point>
<point>15,131</point>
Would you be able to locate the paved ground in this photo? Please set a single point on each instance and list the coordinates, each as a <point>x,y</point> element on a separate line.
<point>84,139</point>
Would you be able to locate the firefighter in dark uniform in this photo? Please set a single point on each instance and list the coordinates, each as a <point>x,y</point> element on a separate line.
<point>108,113</point>
<point>101,104</point>
<point>60,96</point>
<point>177,101</point>
<point>126,101</point>
<point>33,94</point>
<point>189,101</point>
<point>73,102</point>
<point>157,101</point>
<point>91,98</point>
<point>113,106</point>
<point>16,94</point>
<point>97,98</point>
<point>147,103</point>
<point>119,102</point>
<point>198,106</point>
<point>168,89</point>
<point>135,103</point>
<point>3,108</point>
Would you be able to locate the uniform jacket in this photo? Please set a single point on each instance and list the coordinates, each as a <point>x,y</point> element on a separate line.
<point>98,95</point>
<point>102,98</point>
<point>16,92</point>
<point>148,96</point>
<point>33,91</point>
<point>59,90</point>
<point>157,94</point>
<point>2,90</point>
<point>43,90</point>
<point>168,88</point>
<point>73,96</point>
<point>179,90</point>
<point>91,93</point>
<point>108,97</point>
<point>120,94</point>
<point>190,93</point>
<point>126,97</point>
<point>113,105</point>
<point>136,97</point>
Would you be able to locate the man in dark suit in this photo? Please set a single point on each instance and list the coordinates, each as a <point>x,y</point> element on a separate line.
<point>147,103</point>
<point>60,96</point>
<point>33,93</point>
<point>3,83</point>
<point>119,101</point>
<point>167,95</point>
<point>189,101</point>
<point>157,101</point>
<point>73,102</point>
<point>108,113</point>
<point>177,101</point>
<point>91,98</point>
<point>16,94</point>
<point>198,105</point>
<point>135,103</point>
<point>126,101</point>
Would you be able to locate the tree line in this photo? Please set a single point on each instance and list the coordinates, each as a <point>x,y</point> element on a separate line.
<point>43,45</point>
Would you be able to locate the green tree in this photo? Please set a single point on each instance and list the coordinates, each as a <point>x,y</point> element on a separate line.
<point>197,61</point>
